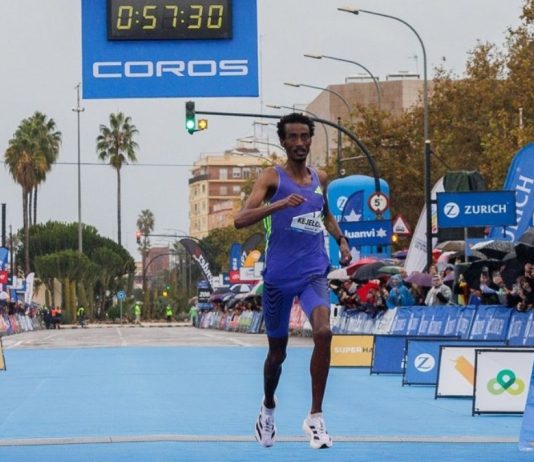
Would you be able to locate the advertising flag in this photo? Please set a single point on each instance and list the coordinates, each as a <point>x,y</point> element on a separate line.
<point>198,255</point>
<point>520,179</point>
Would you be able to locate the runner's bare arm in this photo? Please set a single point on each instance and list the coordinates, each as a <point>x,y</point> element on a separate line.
<point>254,210</point>
<point>332,225</point>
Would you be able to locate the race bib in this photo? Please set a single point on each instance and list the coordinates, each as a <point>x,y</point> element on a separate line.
<point>311,223</point>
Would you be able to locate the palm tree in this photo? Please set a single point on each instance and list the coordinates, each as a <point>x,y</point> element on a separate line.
<point>116,145</point>
<point>145,225</point>
<point>29,156</point>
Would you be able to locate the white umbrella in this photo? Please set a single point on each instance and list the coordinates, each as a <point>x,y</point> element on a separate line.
<point>339,274</point>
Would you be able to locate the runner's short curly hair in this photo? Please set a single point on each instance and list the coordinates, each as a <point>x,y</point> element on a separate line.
<point>294,118</point>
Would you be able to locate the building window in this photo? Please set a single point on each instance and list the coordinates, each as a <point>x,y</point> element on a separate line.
<point>223,174</point>
<point>236,172</point>
<point>236,190</point>
<point>203,189</point>
<point>223,190</point>
<point>246,173</point>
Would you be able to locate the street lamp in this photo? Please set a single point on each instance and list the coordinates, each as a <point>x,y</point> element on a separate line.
<point>375,80</point>
<point>277,106</point>
<point>78,110</point>
<point>254,140</point>
<point>427,151</point>
<point>345,102</point>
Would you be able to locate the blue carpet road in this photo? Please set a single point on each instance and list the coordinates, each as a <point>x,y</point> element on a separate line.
<point>200,404</point>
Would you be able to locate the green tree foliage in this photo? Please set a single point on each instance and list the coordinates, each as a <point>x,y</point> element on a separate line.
<point>116,145</point>
<point>29,156</point>
<point>476,122</point>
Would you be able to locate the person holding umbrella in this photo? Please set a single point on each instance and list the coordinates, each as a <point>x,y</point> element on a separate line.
<point>439,293</point>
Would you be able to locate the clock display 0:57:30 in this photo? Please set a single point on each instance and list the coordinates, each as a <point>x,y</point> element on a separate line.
<point>169,19</point>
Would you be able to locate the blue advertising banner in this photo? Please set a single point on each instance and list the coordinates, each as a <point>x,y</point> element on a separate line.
<point>360,233</point>
<point>521,329</point>
<point>182,65</point>
<point>490,323</point>
<point>407,320</point>
<point>480,208</point>
<point>434,321</point>
<point>459,321</point>
<point>235,256</point>
<point>520,179</point>
<point>422,358</point>
<point>348,199</point>
<point>388,354</point>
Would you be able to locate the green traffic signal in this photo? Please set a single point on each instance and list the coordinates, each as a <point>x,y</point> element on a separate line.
<point>190,122</point>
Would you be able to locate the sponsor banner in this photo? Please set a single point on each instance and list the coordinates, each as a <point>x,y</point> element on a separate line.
<point>434,321</point>
<point>185,67</point>
<point>520,179</point>
<point>360,233</point>
<point>501,381</point>
<point>388,354</point>
<point>459,321</point>
<point>476,209</point>
<point>351,350</point>
<point>422,359</point>
<point>456,370</point>
<point>407,320</point>
<point>235,256</point>
<point>491,323</point>
<point>521,329</point>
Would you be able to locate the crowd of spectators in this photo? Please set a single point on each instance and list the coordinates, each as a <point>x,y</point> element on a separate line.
<point>377,295</point>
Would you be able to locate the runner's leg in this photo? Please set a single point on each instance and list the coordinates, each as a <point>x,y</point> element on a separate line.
<point>272,368</point>
<point>320,360</point>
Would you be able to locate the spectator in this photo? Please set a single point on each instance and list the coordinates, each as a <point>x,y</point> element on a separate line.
<point>193,313</point>
<point>439,293</point>
<point>137,312</point>
<point>488,290</point>
<point>168,313</point>
<point>399,294</point>
<point>418,293</point>
<point>81,316</point>
<point>348,297</point>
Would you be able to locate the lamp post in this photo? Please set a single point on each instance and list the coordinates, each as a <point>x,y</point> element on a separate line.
<point>427,150</point>
<point>276,106</point>
<point>78,110</point>
<point>374,79</point>
<point>345,102</point>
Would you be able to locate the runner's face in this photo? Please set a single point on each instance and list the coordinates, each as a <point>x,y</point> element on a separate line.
<point>297,141</point>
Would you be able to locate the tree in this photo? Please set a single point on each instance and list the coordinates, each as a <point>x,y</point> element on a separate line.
<point>29,156</point>
<point>116,145</point>
<point>145,225</point>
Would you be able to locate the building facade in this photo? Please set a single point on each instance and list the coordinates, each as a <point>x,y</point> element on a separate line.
<point>397,95</point>
<point>216,186</point>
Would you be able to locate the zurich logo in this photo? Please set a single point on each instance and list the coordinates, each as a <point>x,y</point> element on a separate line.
<point>424,362</point>
<point>341,201</point>
<point>451,210</point>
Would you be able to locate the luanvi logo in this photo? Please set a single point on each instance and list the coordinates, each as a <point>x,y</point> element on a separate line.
<point>149,69</point>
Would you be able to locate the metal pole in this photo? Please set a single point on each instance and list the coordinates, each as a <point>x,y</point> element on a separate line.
<point>78,110</point>
<point>3,225</point>
<point>338,160</point>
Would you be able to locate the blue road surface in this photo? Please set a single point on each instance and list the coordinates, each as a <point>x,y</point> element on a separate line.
<point>199,404</point>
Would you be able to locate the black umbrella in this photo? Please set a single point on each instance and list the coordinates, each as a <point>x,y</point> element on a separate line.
<point>494,249</point>
<point>368,271</point>
<point>511,268</point>
<point>472,274</point>
<point>525,252</point>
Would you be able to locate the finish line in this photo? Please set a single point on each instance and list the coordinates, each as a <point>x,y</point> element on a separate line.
<point>248,439</point>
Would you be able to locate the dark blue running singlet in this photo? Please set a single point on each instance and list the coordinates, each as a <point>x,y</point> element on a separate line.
<point>295,235</point>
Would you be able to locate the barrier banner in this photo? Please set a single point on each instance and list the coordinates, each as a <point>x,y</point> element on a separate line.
<point>434,321</point>
<point>388,354</point>
<point>501,381</point>
<point>2,358</point>
<point>407,320</point>
<point>351,350</point>
<point>422,359</point>
<point>521,329</point>
<point>491,323</point>
<point>459,321</point>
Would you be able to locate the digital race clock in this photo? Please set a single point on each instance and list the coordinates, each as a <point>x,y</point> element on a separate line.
<point>169,19</point>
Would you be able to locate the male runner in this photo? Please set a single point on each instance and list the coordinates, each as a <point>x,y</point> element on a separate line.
<point>291,200</point>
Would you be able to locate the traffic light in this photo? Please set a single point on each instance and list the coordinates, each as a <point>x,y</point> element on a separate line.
<point>202,124</point>
<point>190,123</point>
<point>138,236</point>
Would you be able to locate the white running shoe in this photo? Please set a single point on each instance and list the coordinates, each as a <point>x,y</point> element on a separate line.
<point>265,427</point>
<point>315,429</point>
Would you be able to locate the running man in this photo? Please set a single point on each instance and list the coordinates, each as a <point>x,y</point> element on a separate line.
<point>291,200</point>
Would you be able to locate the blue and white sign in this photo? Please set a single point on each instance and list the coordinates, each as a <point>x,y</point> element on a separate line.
<point>169,68</point>
<point>481,208</point>
<point>121,295</point>
<point>375,232</point>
